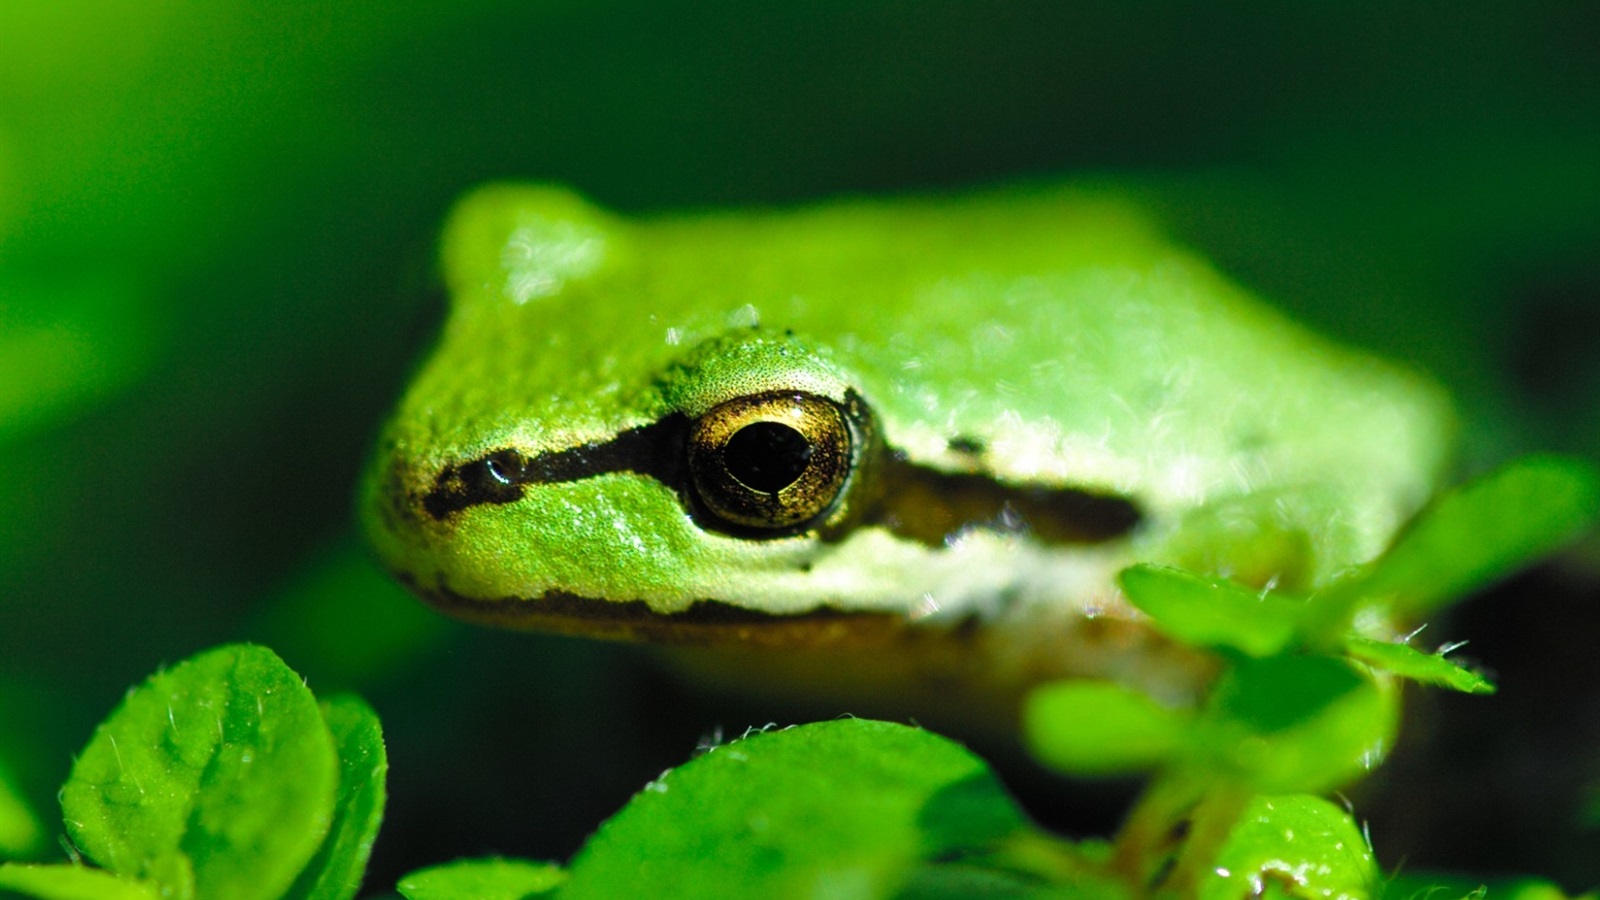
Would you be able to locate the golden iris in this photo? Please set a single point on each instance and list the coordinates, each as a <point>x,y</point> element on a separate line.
<point>775,461</point>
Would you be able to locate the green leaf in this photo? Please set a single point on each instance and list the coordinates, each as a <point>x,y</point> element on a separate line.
<point>1296,724</point>
<point>66,882</point>
<point>843,808</point>
<point>484,879</point>
<point>20,832</point>
<point>1425,886</point>
<point>963,881</point>
<point>1212,612</point>
<point>1304,844</point>
<point>1098,728</point>
<point>221,767</point>
<point>335,872</point>
<point>1485,530</point>
<point>1409,662</point>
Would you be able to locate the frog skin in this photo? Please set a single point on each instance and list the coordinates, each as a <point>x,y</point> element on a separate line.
<point>938,423</point>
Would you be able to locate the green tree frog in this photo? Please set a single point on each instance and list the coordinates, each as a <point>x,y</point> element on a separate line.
<point>925,433</point>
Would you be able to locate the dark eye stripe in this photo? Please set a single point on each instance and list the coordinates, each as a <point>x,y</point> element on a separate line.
<point>932,507</point>
<point>916,502</point>
<point>654,450</point>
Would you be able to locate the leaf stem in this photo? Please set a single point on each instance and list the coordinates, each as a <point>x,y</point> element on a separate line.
<point>1210,824</point>
<point>1153,826</point>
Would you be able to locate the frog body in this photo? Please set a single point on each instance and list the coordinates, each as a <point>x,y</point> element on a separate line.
<point>868,419</point>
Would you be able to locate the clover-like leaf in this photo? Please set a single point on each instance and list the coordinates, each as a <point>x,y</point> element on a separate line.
<point>1098,728</point>
<point>336,870</point>
<point>1296,724</point>
<point>1426,886</point>
<point>484,879</point>
<point>1212,612</point>
<point>843,808</point>
<point>1306,845</point>
<point>1409,662</point>
<point>1484,530</point>
<point>215,778</point>
<point>68,882</point>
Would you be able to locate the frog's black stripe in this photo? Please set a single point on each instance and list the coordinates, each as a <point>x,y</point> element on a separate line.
<point>914,502</point>
<point>655,450</point>
<point>931,507</point>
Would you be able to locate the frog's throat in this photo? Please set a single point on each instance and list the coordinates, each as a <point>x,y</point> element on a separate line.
<point>912,501</point>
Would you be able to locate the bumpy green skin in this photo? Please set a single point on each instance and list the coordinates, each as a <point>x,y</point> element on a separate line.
<point>1054,326</point>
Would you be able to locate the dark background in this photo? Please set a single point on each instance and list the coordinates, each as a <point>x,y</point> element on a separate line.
<point>215,274</point>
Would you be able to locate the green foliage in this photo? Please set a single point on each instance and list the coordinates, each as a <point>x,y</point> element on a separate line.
<point>1467,538</point>
<point>856,808</point>
<point>1484,531</point>
<point>19,828</point>
<point>1213,612</point>
<point>226,786</point>
<point>1295,724</point>
<point>1408,886</point>
<point>1304,703</point>
<point>1097,728</point>
<point>334,873</point>
<point>1305,844</point>
<point>845,808</point>
<point>1408,662</point>
<point>221,777</point>
<point>73,882</point>
<point>482,879</point>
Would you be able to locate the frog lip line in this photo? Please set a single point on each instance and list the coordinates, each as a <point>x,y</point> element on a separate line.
<point>919,503</point>
<point>707,622</point>
<point>717,624</point>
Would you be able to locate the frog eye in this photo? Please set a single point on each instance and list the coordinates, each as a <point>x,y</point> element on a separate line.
<point>775,461</point>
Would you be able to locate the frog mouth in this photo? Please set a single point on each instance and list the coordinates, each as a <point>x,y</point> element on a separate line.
<point>780,652</point>
<point>705,623</point>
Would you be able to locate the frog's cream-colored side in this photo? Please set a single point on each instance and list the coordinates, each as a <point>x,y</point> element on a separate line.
<point>1032,340</point>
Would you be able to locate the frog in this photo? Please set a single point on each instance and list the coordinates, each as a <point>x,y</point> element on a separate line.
<point>907,440</point>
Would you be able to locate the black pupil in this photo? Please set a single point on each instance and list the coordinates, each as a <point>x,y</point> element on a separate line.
<point>766,456</point>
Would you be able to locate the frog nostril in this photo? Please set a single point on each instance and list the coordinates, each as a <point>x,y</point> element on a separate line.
<point>500,469</point>
<point>501,475</point>
<point>496,478</point>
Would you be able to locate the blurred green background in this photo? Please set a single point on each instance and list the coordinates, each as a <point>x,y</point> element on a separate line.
<point>216,222</point>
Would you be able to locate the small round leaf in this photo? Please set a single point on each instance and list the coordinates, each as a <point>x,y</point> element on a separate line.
<point>1098,728</point>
